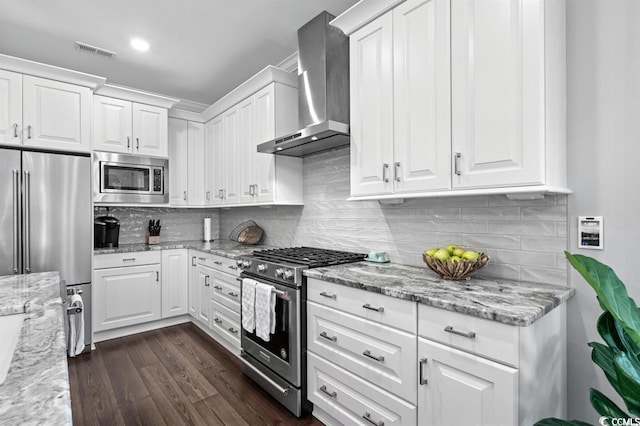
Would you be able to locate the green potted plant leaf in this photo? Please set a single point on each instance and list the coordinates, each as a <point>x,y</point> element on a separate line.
<point>619,327</point>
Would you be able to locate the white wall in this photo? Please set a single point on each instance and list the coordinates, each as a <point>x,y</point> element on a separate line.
<point>603,132</point>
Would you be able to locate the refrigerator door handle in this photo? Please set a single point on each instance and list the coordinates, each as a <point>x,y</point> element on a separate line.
<point>16,219</point>
<point>27,221</point>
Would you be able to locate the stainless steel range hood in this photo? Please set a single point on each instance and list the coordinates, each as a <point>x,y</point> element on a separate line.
<point>323,92</point>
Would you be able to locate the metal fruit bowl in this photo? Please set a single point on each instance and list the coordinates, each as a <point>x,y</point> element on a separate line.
<point>455,271</point>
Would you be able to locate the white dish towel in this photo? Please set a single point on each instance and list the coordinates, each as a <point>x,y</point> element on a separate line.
<point>265,311</point>
<point>248,304</point>
<point>76,326</point>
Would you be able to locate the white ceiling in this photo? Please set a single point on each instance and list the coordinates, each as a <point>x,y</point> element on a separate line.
<point>200,49</point>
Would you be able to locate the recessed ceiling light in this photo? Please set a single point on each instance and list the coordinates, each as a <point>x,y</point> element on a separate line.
<point>139,44</point>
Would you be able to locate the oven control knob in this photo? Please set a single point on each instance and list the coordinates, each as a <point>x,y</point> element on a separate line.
<point>262,268</point>
<point>279,272</point>
<point>239,263</point>
<point>288,275</point>
<point>246,264</point>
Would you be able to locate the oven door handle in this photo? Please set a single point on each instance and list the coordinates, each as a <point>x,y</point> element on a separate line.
<point>283,391</point>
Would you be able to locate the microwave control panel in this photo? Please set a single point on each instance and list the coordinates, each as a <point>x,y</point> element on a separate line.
<point>157,180</point>
<point>590,232</point>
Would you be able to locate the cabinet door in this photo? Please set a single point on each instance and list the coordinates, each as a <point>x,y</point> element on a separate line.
<point>205,276</point>
<point>460,388</point>
<point>264,130</point>
<point>175,289</point>
<point>230,157</point>
<point>194,292</point>
<point>111,124</point>
<point>178,162</point>
<point>10,108</point>
<point>497,63</point>
<point>246,151</point>
<point>209,163</point>
<point>150,130</point>
<point>56,115</point>
<point>371,61</point>
<point>126,296</point>
<point>422,108</point>
<point>196,194</point>
<point>217,163</point>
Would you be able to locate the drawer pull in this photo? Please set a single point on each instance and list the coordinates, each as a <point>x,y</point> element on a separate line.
<point>202,258</point>
<point>233,330</point>
<point>324,335</point>
<point>330,296</point>
<point>421,364</point>
<point>232,267</point>
<point>217,320</point>
<point>206,280</point>
<point>469,334</point>
<point>371,308</point>
<point>367,417</point>
<point>217,263</point>
<point>129,259</point>
<point>217,287</point>
<point>193,261</point>
<point>323,389</point>
<point>232,294</point>
<point>378,358</point>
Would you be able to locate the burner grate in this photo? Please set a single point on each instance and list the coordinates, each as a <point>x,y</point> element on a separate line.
<point>309,256</point>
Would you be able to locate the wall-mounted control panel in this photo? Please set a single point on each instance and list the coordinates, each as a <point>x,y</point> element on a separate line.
<point>590,232</point>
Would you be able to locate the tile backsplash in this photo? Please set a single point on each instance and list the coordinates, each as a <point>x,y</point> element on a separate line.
<point>524,238</point>
<point>177,224</point>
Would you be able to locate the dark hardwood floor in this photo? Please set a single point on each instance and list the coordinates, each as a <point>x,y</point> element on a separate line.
<point>172,376</point>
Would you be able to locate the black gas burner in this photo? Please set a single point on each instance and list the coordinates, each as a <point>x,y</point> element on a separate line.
<point>309,256</point>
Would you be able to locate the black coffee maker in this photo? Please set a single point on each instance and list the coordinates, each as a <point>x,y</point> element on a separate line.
<point>106,231</point>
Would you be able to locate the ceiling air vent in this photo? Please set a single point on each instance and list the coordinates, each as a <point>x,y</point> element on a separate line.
<point>95,50</point>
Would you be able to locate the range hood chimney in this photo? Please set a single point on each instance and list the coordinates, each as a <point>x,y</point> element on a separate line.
<point>323,91</point>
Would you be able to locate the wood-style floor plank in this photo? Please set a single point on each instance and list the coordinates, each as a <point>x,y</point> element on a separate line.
<point>173,376</point>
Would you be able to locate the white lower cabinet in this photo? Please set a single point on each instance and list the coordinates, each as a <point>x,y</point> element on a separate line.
<point>126,296</point>
<point>175,289</point>
<point>193,284</point>
<point>461,388</point>
<point>203,278</point>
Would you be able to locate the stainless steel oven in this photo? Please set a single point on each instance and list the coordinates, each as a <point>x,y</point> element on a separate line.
<point>121,178</point>
<point>279,365</point>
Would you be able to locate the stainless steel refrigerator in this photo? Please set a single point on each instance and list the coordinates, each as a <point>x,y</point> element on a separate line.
<point>45,218</point>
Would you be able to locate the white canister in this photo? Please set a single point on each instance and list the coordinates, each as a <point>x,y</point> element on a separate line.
<point>207,229</point>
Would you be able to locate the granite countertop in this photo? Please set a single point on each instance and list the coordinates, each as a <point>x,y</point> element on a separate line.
<point>509,302</point>
<point>36,390</point>
<point>225,248</point>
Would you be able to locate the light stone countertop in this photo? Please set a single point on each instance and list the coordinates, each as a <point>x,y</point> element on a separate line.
<point>36,390</point>
<point>225,248</point>
<point>509,302</point>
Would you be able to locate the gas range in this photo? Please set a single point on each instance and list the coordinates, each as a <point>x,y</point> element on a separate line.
<point>286,265</point>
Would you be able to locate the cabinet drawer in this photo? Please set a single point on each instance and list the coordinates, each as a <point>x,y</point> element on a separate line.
<point>377,353</point>
<point>373,306</point>
<point>203,259</point>
<point>226,323</point>
<point>226,291</point>
<point>118,260</point>
<point>226,265</point>
<point>348,398</point>
<point>490,339</point>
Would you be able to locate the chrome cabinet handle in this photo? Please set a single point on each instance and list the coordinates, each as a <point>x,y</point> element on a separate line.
<point>128,142</point>
<point>324,335</point>
<point>232,267</point>
<point>385,167</point>
<point>217,263</point>
<point>16,219</point>
<point>157,276</point>
<point>323,389</point>
<point>220,195</point>
<point>233,330</point>
<point>469,334</point>
<point>396,172</point>
<point>378,358</point>
<point>456,163</point>
<point>29,131</point>
<point>27,222</point>
<point>129,259</point>
<point>330,296</point>
<point>15,130</point>
<point>137,144</point>
<point>232,294</point>
<point>217,320</point>
<point>217,287</point>
<point>185,195</point>
<point>202,258</point>
<point>371,308</point>
<point>193,261</point>
<point>367,417</point>
<point>251,190</point>
<point>421,364</point>
<point>208,195</point>
<point>206,281</point>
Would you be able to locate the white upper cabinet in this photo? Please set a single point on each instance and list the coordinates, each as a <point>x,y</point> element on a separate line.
<point>196,164</point>
<point>456,97</point>
<point>40,113</point>
<point>186,163</point>
<point>129,127</point>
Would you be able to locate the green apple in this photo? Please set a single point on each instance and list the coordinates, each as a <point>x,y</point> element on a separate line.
<point>454,259</point>
<point>450,248</point>
<point>441,255</point>
<point>458,251</point>
<point>431,251</point>
<point>471,255</point>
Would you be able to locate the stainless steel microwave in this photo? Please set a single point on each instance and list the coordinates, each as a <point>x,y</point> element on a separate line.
<point>122,178</point>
